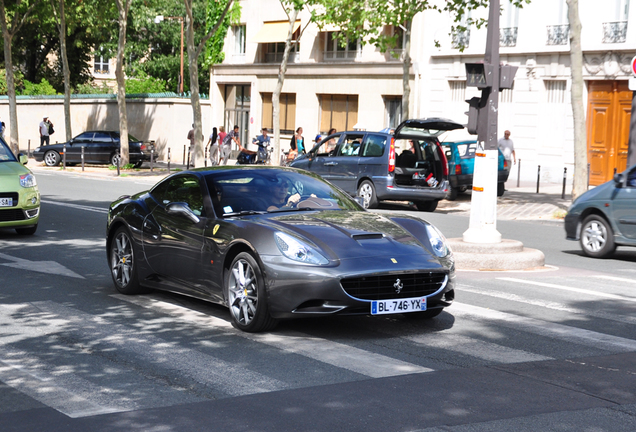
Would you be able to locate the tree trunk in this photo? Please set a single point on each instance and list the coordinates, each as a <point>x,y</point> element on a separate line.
<point>279,87</point>
<point>8,65</point>
<point>193,68</point>
<point>578,111</point>
<point>123,6</point>
<point>67,74</point>
<point>406,72</point>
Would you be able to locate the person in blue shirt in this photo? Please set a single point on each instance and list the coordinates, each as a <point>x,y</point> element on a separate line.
<point>263,142</point>
<point>299,141</point>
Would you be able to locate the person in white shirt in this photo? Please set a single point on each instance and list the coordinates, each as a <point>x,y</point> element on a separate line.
<point>508,148</point>
<point>44,131</point>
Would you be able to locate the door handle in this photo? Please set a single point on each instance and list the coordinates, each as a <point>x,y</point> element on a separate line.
<point>331,163</point>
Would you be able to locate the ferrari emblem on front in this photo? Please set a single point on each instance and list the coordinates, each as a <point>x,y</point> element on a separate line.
<point>398,285</point>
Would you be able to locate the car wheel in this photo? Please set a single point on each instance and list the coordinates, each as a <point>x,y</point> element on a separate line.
<point>501,188</point>
<point>115,159</point>
<point>427,314</point>
<point>596,237</point>
<point>123,266</point>
<point>452,193</point>
<point>27,231</point>
<point>51,158</point>
<point>426,206</point>
<point>246,296</point>
<point>366,191</point>
<point>138,164</point>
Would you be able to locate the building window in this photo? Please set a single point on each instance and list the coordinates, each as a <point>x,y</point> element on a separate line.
<point>460,37</point>
<point>616,31</point>
<point>555,91</point>
<point>510,24</point>
<point>396,51</point>
<point>287,115</point>
<point>239,39</point>
<point>338,111</point>
<point>274,52</point>
<point>237,109</point>
<point>393,111</point>
<point>559,33</point>
<point>101,64</point>
<point>336,49</point>
<point>458,91</point>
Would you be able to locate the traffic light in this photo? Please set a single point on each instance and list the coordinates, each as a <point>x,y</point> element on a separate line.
<point>473,115</point>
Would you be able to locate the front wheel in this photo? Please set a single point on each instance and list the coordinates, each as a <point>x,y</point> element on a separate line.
<point>366,191</point>
<point>246,296</point>
<point>123,266</point>
<point>596,237</point>
<point>52,158</point>
<point>426,206</point>
<point>138,164</point>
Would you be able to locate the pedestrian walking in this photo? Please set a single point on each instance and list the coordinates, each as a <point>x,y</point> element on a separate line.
<point>299,140</point>
<point>46,129</point>
<point>508,148</point>
<point>226,147</point>
<point>213,143</point>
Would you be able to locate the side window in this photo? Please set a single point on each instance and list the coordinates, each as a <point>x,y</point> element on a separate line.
<point>374,145</point>
<point>102,138</point>
<point>184,189</point>
<point>84,138</point>
<point>328,146</point>
<point>350,146</point>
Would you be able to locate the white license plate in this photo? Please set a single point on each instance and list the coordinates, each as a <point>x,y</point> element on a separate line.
<point>6,202</point>
<point>416,304</point>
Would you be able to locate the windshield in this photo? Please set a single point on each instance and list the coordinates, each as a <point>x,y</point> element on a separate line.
<point>6,155</point>
<point>251,191</point>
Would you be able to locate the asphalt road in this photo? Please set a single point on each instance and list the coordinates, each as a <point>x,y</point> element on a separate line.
<point>552,350</point>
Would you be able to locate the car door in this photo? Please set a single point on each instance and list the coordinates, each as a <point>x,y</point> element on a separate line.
<point>74,147</point>
<point>102,147</point>
<point>342,169</point>
<point>318,159</point>
<point>173,242</point>
<point>624,206</point>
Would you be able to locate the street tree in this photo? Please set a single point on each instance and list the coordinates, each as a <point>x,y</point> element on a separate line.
<point>60,18</point>
<point>194,52</point>
<point>123,7</point>
<point>19,12</point>
<point>578,110</point>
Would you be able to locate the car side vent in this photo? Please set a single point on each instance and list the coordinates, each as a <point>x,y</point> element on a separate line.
<point>373,236</point>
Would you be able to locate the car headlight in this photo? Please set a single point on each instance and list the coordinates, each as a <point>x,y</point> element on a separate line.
<point>298,251</point>
<point>438,242</point>
<point>28,180</point>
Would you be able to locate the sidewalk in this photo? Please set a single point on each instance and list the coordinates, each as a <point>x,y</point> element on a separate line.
<point>517,203</point>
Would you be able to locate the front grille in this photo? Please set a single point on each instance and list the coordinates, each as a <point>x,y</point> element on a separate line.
<point>11,215</point>
<point>384,287</point>
<point>13,195</point>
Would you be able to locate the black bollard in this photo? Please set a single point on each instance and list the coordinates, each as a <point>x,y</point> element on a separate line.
<point>588,176</point>
<point>189,154</point>
<point>538,176</point>
<point>29,149</point>
<point>83,147</point>
<point>152,158</point>
<point>518,171</point>
<point>64,157</point>
<point>184,150</point>
<point>168,159</point>
<point>118,159</point>
<point>565,178</point>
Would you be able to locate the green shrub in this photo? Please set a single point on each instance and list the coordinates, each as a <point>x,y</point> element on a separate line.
<point>33,89</point>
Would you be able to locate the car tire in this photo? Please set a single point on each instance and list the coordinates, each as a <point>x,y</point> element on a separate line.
<point>123,264</point>
<point>452,193</point>
<point>138,164</point>
<point>114,158</point>
<point>246,296</point>
<point>596,237</point>
<point>427,314</point>
<point>501,188</point>
<point>366,191</point>
<point>52,158</point>
<point>27,231</point>
<point>426,206</point>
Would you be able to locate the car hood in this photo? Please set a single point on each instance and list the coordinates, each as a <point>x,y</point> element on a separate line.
<point>355,234</point>
<point>600,192</point>
<point>12,169</point>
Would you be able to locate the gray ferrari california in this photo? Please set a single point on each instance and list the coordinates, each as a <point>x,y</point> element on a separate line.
<point>275,243</point>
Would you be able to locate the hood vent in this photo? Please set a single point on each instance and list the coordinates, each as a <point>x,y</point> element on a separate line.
<point>371,236</point>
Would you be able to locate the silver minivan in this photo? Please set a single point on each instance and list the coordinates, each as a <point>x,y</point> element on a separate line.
<point>406,165</point>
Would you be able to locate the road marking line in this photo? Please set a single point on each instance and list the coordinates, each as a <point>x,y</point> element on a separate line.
<point>76,206</point>
<point>549,329</point>
<point>565,288</point>
<point>614,278</point>
<point>336,354</point>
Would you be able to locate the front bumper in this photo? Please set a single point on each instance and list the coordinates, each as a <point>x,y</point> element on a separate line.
<point>25,213</point>
<point>299,290</point>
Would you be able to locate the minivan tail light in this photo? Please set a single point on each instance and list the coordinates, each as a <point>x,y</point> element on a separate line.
<point>392,156</point>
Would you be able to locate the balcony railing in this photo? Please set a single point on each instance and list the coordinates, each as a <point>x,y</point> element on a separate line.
<point>460,39</point>
<point>614,32</point>
<point>277,57</point>
<point>508,37</point>
<point>558,34</point>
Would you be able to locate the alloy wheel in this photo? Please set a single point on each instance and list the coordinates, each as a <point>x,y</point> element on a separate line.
<point>122,259</point>
<point>243,292</point>
<point>594,236</point>
<point>365,192</point>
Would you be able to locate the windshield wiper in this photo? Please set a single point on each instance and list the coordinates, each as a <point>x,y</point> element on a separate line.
<point>291,209</point>
<point>243,213</point>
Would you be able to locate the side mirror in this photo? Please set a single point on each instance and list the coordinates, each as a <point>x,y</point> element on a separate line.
<point>23,158</point>
<point>180,208</point>
<point>618,180</point>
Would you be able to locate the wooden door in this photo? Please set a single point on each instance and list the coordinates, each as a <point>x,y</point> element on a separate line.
<point>609,112</point>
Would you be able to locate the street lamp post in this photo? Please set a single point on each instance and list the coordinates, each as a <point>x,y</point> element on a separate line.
<point>160,18</point>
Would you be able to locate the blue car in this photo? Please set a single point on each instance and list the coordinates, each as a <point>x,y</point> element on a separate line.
<point>461,164</point>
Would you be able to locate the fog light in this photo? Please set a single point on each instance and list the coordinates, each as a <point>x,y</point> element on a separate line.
<point>32,213</point>
<point>34,200</point>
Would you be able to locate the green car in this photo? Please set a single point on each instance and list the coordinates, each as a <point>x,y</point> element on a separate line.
<point>19,195</point>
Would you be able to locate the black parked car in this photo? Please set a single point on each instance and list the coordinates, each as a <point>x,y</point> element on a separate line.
<point>382,165</point>
<point>100,147</point>
<point>605,216</point>
<point>273,243</point>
